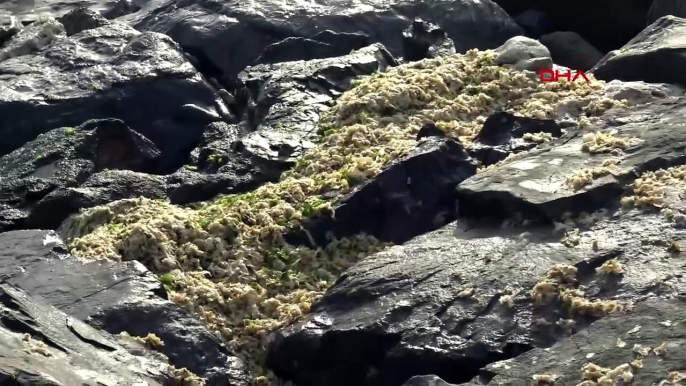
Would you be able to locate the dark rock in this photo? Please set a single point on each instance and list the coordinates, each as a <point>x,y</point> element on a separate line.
<point>221,41</point>
<point>40,180</point>
<point>412,196</point>
<point>423,40</point>
<point>217,140</point>
<point>326,44</point>
<point>180,188</point>
<point>9,26</point>
<point>500,128</point>
<point>114,296</point>
<point>536,185</point>
<point>430,130</point>
<point>187,342</point>
<point>99,189</point>
<point>598,345</point>
<point>186,186</point>
<point>80,19</point>
<point>606,24</point>
<point>295,48</point>
<point>285,102</point>
<point>345,41</point>
<point>113,145</point>
<point>147,83</point>
<point>402,312</point>
<point>489,155</point>
<point>124,7</point>
<point>41,345</point>
<point>571,50</point>
<point>29,40</point>
<point>654,56</point>
<point>535,23</point>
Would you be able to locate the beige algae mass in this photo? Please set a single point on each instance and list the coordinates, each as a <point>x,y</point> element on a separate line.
<point>227,261</point>
<point>651,190</point>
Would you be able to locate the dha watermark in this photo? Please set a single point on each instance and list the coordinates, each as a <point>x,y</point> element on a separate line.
<point>554,76</point>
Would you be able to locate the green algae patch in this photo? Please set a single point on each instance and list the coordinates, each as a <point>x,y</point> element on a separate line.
<point>228,261</point>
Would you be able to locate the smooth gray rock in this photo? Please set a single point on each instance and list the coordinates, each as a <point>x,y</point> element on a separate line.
<point>522,53</point>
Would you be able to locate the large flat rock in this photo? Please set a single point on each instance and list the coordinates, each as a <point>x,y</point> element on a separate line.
<point>41,345</point>
<point>437,305</point>
<point>115,297</point>
<point>535,185</point>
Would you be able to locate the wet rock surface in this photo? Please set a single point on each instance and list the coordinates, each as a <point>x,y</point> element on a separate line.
<point>114,297</point>
<point>517,187</point>
<point>426,40</point>
<point>218,42</point>
<point>285,103</point>
<point>116,102</point>
<point>405,311</point>
<point>44,346</point>
<point>64,158</point>
<point>107,72</point>
<point>412,196</point>
<point>652,56</point>
<point>612,343</point>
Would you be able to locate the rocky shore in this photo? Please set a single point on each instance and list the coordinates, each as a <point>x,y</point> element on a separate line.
<point>263,193</point>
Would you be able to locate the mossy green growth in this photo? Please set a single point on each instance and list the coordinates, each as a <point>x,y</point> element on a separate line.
<point>168,280</point>
<point>69,131</point>
<point>214,158</point>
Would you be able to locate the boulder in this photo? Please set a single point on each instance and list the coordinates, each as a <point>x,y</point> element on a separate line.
<point>523,53</point>
<point>653,56</point>
<point>571,50</point>
<point>426,40</point>
<point>9,26</point>
<point>41,345</point>
<point>285,102</point>
<point>631,344</point>
<point>115,297</point>
<point>535,23</point>
<point>413,195</point>
<point>112,71</point>
<point>63,159</point>
<point>326,44</point>
<point>216,34</point>
<point>32,38</point>
<point>562,177</point>
<point>606,24</point>
<point>81,19</point>
<point>456,300</point>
